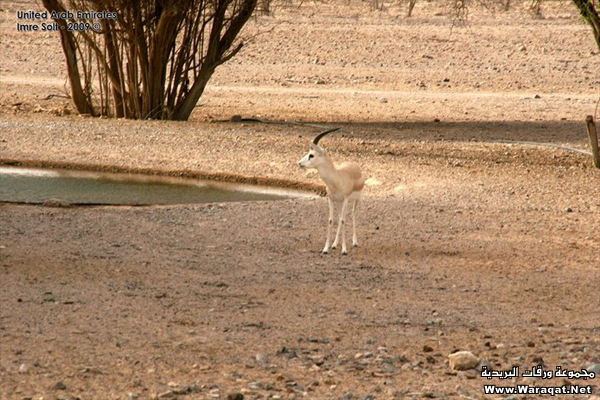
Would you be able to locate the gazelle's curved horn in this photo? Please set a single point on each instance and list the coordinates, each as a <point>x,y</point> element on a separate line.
<point>320,135</point>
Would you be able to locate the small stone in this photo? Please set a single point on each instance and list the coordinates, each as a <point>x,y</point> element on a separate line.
<point>261,358</point>
<point>383,100</point>
<point>462,360</point>
<point>569,210</point>
<point>236,118</point>
<point>235,396</point>
<point>595,368</point>
<point>23,368</point>
<point>468,374</point>
<point>483,363</point>
<point>59,386</point>
<point>55,203</point>
<point>255,385</point>
<point>427,349</point>
<point>530,380</point>
<point>318,359</point>
<point>538,360</point>
<point>530,344</point>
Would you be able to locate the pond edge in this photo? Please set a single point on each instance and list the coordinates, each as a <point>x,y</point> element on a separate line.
<point>179,173</point>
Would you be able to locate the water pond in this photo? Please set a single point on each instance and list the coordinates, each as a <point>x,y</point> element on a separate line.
<point>32,185</point>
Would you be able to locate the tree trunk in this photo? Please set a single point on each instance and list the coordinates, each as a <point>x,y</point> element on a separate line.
<point>113,63</point>
<point>217,47</point>
<point>411,6</point>
<point>590,14</point>
<point>82,102</point>
<point>153,58</point>
<point>165,39</point>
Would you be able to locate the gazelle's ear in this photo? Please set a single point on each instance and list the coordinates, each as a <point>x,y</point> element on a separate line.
<point>317,148</point>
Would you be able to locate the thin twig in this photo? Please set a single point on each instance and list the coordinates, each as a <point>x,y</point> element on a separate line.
<point>51,96</point>
<point>567,148</point>
<point>281,122</point>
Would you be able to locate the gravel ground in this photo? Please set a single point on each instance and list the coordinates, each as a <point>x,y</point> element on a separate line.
<point>466,243</point>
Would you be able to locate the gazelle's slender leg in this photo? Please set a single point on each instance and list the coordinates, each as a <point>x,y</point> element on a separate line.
<point>354,240</point>
<point>329,225</point>
<point>341,228</point>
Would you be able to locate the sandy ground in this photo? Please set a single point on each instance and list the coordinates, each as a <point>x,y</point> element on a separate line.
<point>466,243</point>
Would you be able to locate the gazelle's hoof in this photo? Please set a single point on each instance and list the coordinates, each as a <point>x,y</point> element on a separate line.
<point>334,246</point>
<point>354,244</point>
<point>345,252</point>
<point>325,251</point>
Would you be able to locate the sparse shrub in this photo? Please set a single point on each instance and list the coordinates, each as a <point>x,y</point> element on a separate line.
<point>153,59</point>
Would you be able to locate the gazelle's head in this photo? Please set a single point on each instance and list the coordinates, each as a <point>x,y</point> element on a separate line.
<point>316,155</point>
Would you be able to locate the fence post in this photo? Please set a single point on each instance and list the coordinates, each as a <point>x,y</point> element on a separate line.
<point>591,127</point>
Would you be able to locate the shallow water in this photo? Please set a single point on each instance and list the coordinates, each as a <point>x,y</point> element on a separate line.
<point>30,185</point>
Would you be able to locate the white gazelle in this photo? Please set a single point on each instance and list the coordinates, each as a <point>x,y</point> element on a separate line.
<point>344,185</point>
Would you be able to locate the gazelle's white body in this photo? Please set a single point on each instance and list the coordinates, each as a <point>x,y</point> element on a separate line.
<point>344,186</point>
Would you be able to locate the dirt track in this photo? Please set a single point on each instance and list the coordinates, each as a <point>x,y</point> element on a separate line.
<point>466,243</point>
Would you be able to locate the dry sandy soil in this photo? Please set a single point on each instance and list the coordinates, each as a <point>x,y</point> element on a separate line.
<point>466,243</point>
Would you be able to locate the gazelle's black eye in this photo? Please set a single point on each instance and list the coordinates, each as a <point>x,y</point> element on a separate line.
<point>310,156</point>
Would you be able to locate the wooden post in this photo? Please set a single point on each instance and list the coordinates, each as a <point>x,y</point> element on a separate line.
<point>591,127</point>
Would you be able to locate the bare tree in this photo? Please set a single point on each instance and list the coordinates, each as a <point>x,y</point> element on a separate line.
<point>590,11</point>
<point>377,5</point>
<point>535,8</point>
<point>411,6</point>
<point>265,8</point>
<point>146,58</point>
